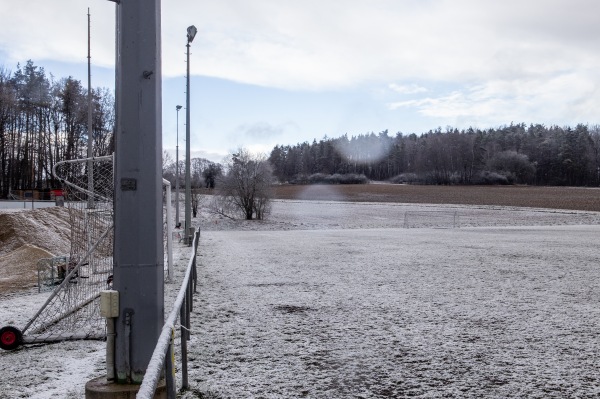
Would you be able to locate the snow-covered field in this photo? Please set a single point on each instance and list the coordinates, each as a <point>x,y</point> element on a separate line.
<point>338,300</point>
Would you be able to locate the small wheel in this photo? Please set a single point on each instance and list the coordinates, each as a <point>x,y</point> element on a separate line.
<point>10,337</point>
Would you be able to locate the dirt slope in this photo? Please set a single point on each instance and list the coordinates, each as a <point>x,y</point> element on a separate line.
<point>18,269</point>
<point>27,236</point>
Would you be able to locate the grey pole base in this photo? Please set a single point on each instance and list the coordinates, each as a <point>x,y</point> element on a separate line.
<point>101,388</point>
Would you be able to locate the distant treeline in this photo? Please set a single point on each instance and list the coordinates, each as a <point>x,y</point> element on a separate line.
<point>43,121</point>
<point>514,154</point>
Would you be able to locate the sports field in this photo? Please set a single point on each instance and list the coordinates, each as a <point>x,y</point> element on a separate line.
<point>576,198</point>
<point>333,298</point>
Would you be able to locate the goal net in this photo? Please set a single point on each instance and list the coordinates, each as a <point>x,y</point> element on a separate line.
<point>431,219</point>
<point>72,310</point>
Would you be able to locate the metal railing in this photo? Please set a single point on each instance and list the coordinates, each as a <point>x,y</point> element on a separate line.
<point>162,357</point>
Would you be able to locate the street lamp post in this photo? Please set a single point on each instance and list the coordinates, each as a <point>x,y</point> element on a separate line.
<point>177,224</point>
<point>191,33</point>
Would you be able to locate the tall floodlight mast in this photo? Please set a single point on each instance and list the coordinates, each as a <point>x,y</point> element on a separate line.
<point>90,141</point>
<point>191,33</point>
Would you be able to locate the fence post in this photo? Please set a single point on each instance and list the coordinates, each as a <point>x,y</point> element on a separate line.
<point>170,369</point>
<point>189,315</point>
<point>194,276</point>
<point>194,272</point>
<point>184,358</point>
<point>190,299</point>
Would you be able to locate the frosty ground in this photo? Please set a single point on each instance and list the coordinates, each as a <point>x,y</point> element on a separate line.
<point>337,300</point>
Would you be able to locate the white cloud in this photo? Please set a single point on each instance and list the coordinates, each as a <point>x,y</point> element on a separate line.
<point>260,130</point>
<point>564,98</point>
<point>260,148</point>
<point>317,44</point>
<point>57,30</point>
<point>259,137</point>
<point>503,60</point>
<point>407,89</point>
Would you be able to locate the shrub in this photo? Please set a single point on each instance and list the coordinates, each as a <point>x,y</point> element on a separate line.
<point>405,178</point>
<point>491,178</point>
<point>321,178</point>
<point>349,178</point>
<point>516,167</point>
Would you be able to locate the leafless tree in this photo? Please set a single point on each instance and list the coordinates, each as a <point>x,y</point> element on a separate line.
<point>246,185</point>
<point>196,200</point>
<point>44,121</point>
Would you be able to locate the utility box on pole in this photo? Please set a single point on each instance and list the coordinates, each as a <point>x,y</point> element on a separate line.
<point>138,249</point>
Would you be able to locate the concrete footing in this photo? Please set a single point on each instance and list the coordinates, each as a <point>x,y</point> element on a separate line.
<point>100,388</point>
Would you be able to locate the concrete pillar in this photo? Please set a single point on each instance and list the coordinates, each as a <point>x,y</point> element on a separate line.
<point>138,249</point>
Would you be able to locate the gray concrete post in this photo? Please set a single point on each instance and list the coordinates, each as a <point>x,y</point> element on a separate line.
<point>138,249</point>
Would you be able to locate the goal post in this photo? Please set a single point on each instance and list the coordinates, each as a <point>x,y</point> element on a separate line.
<point>431,219</point>
<point>75,280</point>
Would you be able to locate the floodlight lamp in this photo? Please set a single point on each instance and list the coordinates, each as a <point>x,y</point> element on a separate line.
<point>191,33</point>
<point>178,107</point>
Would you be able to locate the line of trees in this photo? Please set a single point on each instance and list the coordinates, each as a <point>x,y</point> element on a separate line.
<point>203,173</point>
<point>517,153</point>
<point>243,183</point>
<point>43,121</point>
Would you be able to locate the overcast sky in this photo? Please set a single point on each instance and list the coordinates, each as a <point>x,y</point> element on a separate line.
<point>268,72</point>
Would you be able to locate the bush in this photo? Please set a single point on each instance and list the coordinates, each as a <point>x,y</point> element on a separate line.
<point>349,178</point>
<point>516,167</point>
<point>318,178</point>
<point>321,178</point>
<point>491,178</point>
<point>405,178</point>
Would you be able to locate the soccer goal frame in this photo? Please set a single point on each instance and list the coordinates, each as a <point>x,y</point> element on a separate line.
<point>72,310</point>
<point>431,219</point>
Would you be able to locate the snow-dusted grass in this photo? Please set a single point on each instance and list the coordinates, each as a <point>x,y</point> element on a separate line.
<point>335,300</point>
<point>470,312</point>
<point>58,370</point>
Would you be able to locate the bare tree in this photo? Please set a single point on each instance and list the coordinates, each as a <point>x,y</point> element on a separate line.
<point>196,199</point>
<point>167,162</point>
<point>43,121</point>
<point>246,185</point>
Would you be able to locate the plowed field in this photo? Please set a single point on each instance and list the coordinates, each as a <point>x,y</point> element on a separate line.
<point>575,198</point>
